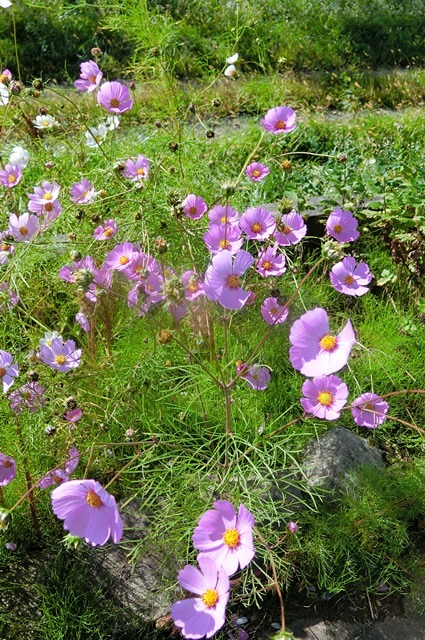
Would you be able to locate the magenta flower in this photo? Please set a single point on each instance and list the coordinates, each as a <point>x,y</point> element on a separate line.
<point>83,321</point>
<point>223,215</point>
<point>88,511</point>
<point>194,206</point>
<point>115,97</point>
<point>324,397</point>
<point>273,312</point>
<point>369,410</point>
<point>222,237</point>
<point>121,257</point>
<point>270,264</point>
<point>314,351</point>
<point>136,170</point>
<point>351,278</point>
<point>292,526</point>
<point>62,356</point>
<point>11,175</point>
<point>193,285</point>
<point>23,227</point>
<point>342,226</point>
<point>30,396</point>
<point>257,377</point>
<point>48,192</point>
<point>90,77</point>
<point>206,614</point>
<point>7,469</point>
<point>59,475</point>
<point>280,120</point>
<point>257,171</point>
<point>222,279</point>
<point>290,229</point>
<point>8,370</point>
<point>106,230</point>
<point>82,192</point>
<point>226,537</point>
<point>73,415</point>
<point>257,223</point>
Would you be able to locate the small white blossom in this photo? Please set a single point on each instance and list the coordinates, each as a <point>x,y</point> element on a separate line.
<point>231,72</point>
<point>232,59</point>
<point>45,122</point>
<point>19,157</point>
<point>5,4</point>
<point>4,95</point>
<point>112,122</point>
<point>95,136</point>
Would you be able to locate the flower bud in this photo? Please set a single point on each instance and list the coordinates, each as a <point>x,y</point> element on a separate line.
<point>216,102</point>
<point>160,244</point>
<point>173,146</point>
<point>5,519</point>
<point>286,165</point>
<point>164,336</point>
<point>96,51</point>
<point>210,133</point>
<point>16,87</point>
<point>72,542</point>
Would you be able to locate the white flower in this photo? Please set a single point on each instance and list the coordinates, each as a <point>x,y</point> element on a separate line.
<point>48,337</point>
<point>4,95</point>
<point>231,72</point>
<point>5,4</point>
<point>232,59</point>
<point>95,136</point>
<point>45,122</point>
<point>112,122</point>
<point>19,157</point>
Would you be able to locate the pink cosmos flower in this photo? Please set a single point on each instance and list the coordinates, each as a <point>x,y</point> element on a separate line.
<point>7,469</point>
<point>222,279</point>
<point>273,312</point>
<point>257,171</point>
<point>291,229</point>
<point>193,285</point>
<point>280,120</point>
<point>115,97</point>
<point>226,537</point>
<point>62,356</point>
<point>6,249</point>
<point>59,475</point>
<point>121,257</point>
<point>73,415</point>
<point>194,206</point>
<point>257,377</point>
<point>88,511</point>
<point>83,321</point>
<point>106,230</point>
<point>269,263</point>
<point>351,278</point>
<point>223,215</point>
<point>82,192</point>
<point>90,77</point>
<point>314,351</point>
<point>292,526</point>
<point>369,410</point>
<point>342,226</point>
<point>222,237</point>
<point>137,170</point>
<point>24,227</point>
<point>8,297</point>
<point>30,396</point>
<point>257,223</point>
<point>102,280</point>
<point>69,273</point>
<point>324,397</point>
<point>8,370</point>
<point>11,175</point>
<point>48,192</point>
<point>205,615</point>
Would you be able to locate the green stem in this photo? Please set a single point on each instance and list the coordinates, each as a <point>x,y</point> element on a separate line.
<point>15,41</point>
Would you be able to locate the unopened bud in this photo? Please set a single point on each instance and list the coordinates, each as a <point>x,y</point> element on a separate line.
<point>342,158</point>
<point>96,51</point>
<point>75,255</point>
<point>216,102</point>
<point>173,146</point>
<point>49,165</point>
<point>210,133</point>
<point>164,336</point>
<point>130,433</point>
<point>72,542</point>
<point>38,84</point>
<point>160,244</point>
<point>5,519</point>
<point>16,87</point>
<point>286,165</point>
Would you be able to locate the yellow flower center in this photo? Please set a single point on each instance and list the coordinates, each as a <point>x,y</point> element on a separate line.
<point>256,227</point>
<point>267,265</point>
<point>223,244</point>
<point>232,282</point>
<point>124,260</point>
<point>328,343</point>
<point>45,123</point>
<point>11,178</point>
<point>141,172</point>
<point>223,219</point>
<point>256,173</point>
<point>7,464</point>
<point>47,196</point>
<point>273,311</point>
<point>108,232</point>
<point>210,598</point>
<point>114,103</point>
<point>337,228</point>
<point>92,79</point>
<point>193,286</point>
<point>60,359</point>
<point>287,229</point>
<point>325,398</point>
<point>231,537</point>
<point>23,231</point>
<point>348,279</point>
<point>93,499</point>
<point>280,124</point>
<point>5,247</point>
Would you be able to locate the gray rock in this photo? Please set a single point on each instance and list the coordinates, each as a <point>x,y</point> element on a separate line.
<point>140,590</point>
<point>333,458</point>
<point>411,627</point>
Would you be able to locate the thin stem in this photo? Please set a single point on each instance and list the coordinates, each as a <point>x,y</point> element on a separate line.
<point>276,582</point>
<point>29,492</point>
<point>15,41</point>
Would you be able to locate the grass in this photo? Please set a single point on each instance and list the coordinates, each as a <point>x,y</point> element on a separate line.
<point>181,458</point>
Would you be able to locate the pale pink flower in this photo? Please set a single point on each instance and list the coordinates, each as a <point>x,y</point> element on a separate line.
<point>83,321</point>
<point>8,370</point>
<point>11,175</point>
<point>257,223</point>
<point>23,228</point>
<point>7,469</point>
<point>115,97</point>
<point>369,410</point>
<point>90,77</point>
<point>342,226</point>
<point>223,279</point>
<point>82,192</point>
<point>105,231</point>
<point>223,215</point>
<point>290,229</point>
<point>324,397</point>
<point>270,263</point>
<point>257,376</point>
<point>273,312</point>
<point>62,356</point>
<point>193,285</point>
<point>222,237</point>
<point>194,206</point>
<point>350,277</point>
<point>257,171</point>
<point>280,120</point>
<point>137,170</point>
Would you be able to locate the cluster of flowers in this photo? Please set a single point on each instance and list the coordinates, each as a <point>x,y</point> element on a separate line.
<point>224,539</point>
